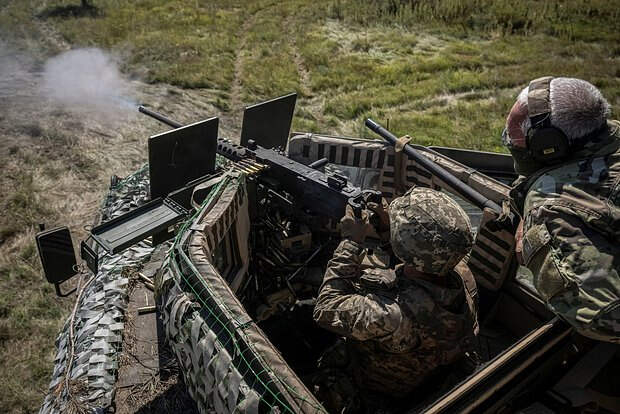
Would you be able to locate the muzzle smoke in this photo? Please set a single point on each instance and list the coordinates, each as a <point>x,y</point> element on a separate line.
<point>88,80</point>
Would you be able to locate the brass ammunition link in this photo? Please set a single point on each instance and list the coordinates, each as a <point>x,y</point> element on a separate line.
<point>248,166</point>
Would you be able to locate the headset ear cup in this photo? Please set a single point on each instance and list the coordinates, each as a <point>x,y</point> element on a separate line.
<point>548,145</point>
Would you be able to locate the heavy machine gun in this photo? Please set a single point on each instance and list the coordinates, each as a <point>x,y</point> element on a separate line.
<point>314,190</point>
<point>315,186</point>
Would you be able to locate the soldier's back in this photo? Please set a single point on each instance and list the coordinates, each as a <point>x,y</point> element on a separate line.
<point>435,329</point>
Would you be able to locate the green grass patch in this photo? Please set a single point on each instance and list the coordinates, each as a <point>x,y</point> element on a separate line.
<point>570,19</point>
<point>359,56</point>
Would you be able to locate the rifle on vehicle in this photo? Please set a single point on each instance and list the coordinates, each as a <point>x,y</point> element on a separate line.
<point>465,191</point>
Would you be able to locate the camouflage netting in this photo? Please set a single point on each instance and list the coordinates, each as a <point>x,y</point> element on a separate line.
<point>228,363</point>
<point>99,318</point>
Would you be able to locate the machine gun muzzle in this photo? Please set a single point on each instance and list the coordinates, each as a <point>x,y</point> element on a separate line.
<point>159,117</point>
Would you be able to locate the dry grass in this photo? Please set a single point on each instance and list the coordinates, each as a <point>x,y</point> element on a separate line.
<point>52,179</point>
<point>443,71</point>
<point>56,167</point>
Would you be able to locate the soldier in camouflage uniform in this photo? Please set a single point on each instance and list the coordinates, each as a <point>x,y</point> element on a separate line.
<point>400,324</point>
<point>570,233</point>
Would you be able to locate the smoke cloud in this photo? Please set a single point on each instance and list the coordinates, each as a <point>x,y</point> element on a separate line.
<point>88,80</point>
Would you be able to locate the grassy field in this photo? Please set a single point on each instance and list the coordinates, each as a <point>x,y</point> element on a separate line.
<point>444,71</point>
<point>431,68</point>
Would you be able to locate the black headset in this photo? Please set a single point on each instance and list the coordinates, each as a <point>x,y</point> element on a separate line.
<point>546,143</point>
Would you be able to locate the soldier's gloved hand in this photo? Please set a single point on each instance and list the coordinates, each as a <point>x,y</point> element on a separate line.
<point>355,228</point>
<point>381,218</point>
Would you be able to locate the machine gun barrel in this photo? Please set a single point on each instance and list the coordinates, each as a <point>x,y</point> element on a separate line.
<point>461,188</point>
<point>225,147</point>
<point>159,117</point>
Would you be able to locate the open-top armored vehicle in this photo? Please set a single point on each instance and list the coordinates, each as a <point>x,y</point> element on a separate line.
<point>253,230</point>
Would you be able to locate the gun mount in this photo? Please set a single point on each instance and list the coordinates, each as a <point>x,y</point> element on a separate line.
<point>317,191</point>
<point>301,188</point>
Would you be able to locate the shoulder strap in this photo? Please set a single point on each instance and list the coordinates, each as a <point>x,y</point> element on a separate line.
<point>471,291</point>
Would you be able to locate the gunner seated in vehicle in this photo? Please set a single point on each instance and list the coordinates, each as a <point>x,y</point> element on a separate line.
<point>402,324</point>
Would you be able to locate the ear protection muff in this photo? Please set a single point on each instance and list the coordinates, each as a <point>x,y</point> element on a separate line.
<point>546,143</point>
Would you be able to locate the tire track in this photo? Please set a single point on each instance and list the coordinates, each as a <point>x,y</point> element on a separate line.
<point>302,69</point>
<point>235,113</point>
<point>312,103</point>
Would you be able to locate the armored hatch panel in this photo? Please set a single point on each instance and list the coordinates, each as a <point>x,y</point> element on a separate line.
<point>57,256</point>
<point>126,230</point>
<point>275,132</point>
<point>181,155</point>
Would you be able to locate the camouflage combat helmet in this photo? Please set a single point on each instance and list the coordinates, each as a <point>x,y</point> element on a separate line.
<point>429,230</point>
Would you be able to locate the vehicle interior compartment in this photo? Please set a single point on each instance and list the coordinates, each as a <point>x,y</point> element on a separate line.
<point>275,265</point>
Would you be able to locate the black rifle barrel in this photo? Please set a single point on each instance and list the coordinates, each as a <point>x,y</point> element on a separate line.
<point>457,185</point>
<point>159,117</point>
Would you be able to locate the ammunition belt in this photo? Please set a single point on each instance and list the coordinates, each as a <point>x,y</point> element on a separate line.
<point>247,166</point>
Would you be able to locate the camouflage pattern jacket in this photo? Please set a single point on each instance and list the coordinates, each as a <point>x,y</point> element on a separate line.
<point>571,236</point>
<point>398,329</point>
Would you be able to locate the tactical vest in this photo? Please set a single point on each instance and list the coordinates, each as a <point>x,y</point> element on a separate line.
<point>428,337</point>
<point>572,236</point>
